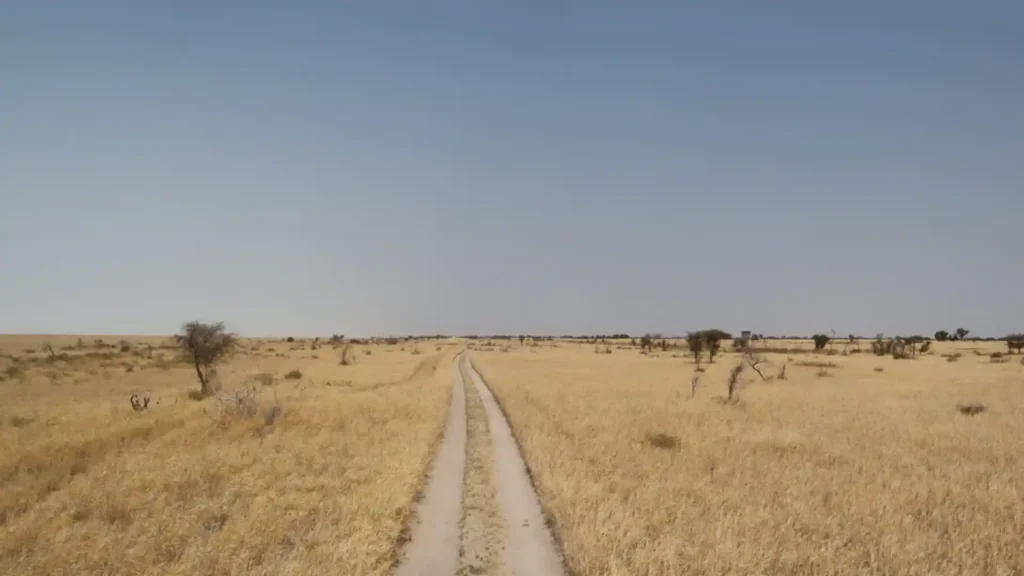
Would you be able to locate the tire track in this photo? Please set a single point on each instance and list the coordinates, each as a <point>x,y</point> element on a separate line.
<point>530,549</point>
<point>483,528</point>
<point>479,514</point>
<point>434,536</point>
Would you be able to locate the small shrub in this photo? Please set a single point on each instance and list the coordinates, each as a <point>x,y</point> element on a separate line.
<point>289,339</point>
<point>823,373</point>
<point>662,441</point>
<point>416,351</point>
<point>879,369</point>
<point>952,357</point>
<point>971,409</point>
<point>124,346</point>
<point>881,346</point>
<point>14,372</point>
<point>21,421</point>
<point>197,395</point>
<point>995,355</point>
<point>264,379</point>
<point>293,375</point>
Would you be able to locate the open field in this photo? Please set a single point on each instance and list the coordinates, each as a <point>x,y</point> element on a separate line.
<point>853,464</point>
<point>88,486</point>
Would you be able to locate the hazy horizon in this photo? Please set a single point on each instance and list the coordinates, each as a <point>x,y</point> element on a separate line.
<point>531,167</point>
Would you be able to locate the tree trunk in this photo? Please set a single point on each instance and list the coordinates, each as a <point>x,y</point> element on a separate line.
<point>204,386</point>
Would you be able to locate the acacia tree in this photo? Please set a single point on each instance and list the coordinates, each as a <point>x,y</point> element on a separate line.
<point>695,340</point>
<point>646,342</point>
<point>713,339</point>
<point>1015,342</point>
<point>820,340</point>
<point>205,344</point>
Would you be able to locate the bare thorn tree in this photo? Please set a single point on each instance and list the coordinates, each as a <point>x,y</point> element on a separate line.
<point>734,379</point>
<point>205,344</point>
<point>754,361</point>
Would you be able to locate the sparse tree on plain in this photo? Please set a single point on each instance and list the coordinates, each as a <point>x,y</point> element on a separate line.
<point>820,340</point>
<point>205,344</point>
<point>713,341</point>
<point>1014,342</point>
<point>962,333</point>
<point>696,343</point>
<point>646,342</point>
<point>942,336</point>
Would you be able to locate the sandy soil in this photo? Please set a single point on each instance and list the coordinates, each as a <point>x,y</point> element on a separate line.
<point>478,466</point>
<point>433,547</point>
<point>530,549</point>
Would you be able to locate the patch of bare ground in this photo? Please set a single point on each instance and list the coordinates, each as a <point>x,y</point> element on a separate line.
<point>483,532</point>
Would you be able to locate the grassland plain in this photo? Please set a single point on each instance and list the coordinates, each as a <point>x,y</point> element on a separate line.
<point>862,467</point>
<point>89,486</point>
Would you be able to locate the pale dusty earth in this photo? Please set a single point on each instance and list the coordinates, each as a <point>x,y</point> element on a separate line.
<point>479,513</point>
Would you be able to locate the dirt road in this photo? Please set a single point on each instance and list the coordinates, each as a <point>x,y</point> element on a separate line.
<point>479,513</point>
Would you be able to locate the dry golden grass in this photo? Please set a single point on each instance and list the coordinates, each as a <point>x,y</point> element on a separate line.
<point>88,486</point>
<point>864,472</point>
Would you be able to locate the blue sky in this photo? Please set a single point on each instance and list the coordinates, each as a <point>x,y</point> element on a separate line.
<point>539,167</point>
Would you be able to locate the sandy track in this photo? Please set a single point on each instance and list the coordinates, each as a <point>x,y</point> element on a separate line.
<point>483,526</point>
<point>530,549</point>
<point>483,518</point>
<point>433,548</point>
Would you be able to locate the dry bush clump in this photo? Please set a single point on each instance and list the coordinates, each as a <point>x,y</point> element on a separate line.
<point>971,409</point>
<point>874,474</point>
<point>293,375</point>
<point>822,373</point>
<point>663,441</point>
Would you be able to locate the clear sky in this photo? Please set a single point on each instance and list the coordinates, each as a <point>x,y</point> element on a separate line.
<point>505,167</point>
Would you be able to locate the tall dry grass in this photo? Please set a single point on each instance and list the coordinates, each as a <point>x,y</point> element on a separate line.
<point>88,486</point>
<point>864,472</point>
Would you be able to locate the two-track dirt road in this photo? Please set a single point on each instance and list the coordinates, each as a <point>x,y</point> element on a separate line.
<point>479,513</point>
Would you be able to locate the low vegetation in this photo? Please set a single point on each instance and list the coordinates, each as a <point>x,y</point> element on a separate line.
<point>259,478</point>
<point>870,467</point>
